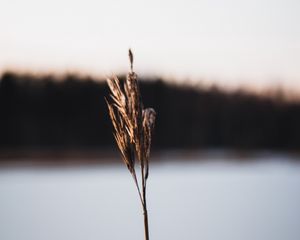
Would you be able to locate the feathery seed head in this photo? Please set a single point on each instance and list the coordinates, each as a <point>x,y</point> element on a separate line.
<point>133,125</point>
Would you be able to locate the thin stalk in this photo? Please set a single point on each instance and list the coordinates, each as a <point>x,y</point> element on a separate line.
<point>146,227</point>
<point>138,188</point>
<point>145,212</point>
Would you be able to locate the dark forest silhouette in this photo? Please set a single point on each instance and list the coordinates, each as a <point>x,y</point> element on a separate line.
<point>46,113</point>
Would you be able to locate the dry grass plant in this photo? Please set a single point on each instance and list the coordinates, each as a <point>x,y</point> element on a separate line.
<point>133,126</point>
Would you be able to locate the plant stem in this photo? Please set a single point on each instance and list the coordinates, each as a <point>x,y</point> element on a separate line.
<point>145,212</point>
<point>146,223</point>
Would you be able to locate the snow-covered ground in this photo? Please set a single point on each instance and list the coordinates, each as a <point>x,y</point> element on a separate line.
<point>211,200</point>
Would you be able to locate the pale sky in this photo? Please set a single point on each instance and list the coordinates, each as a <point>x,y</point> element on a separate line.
<point>231,42</point>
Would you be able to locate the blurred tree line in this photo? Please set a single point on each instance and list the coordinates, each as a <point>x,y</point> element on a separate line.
<point>44,112</point>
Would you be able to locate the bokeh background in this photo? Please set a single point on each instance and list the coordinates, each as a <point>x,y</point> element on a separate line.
<point>224,79</point>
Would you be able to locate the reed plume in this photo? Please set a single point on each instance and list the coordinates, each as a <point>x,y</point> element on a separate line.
<point>133,127</point>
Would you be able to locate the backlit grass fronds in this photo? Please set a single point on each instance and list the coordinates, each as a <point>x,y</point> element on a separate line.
<point>133,127</point>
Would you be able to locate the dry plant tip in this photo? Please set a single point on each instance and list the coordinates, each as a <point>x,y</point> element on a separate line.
<point>130,59</point>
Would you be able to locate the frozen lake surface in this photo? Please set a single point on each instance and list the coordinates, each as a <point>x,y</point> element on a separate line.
<point>209,200</point>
